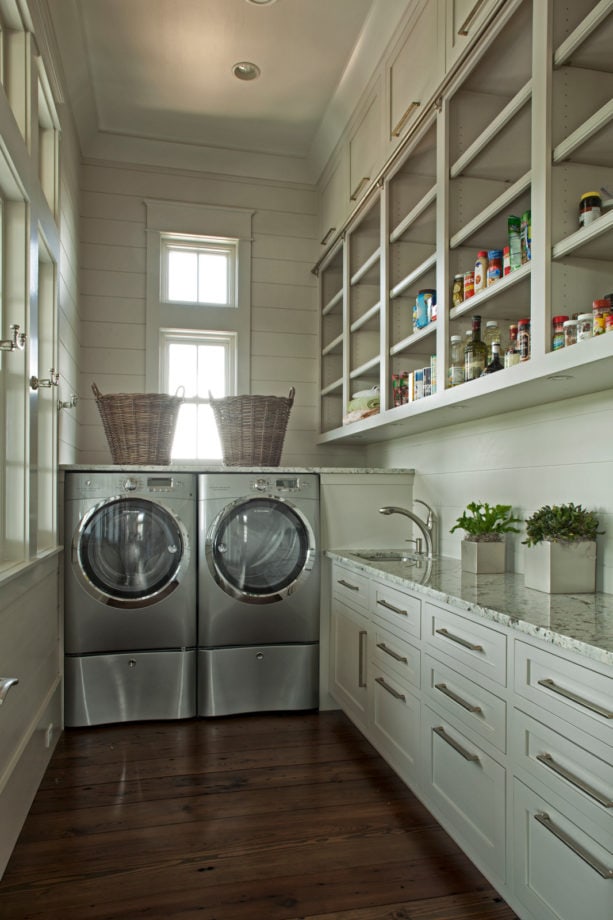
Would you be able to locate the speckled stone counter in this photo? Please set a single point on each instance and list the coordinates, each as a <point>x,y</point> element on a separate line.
<point>582,623</point>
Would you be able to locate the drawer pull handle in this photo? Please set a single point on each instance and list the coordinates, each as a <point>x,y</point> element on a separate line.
<point>569,695</point>
<point>394,693</point>
<point>465,27</point>
<point>447,635</point>
<point>5,685</point>
<point>544,819</point>
<point>397,130</point>
<point>347,584</point>
<point>356,192</point>
<point>457,699</point>
<point>401,613</point>
<point>361,658</point>
<point>440,731</point>
<point>327,235</point>
<point>548,761</point>
<point>392,653</point>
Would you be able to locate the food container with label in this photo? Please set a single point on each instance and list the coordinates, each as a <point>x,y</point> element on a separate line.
<point>557,335</point>
<point>494,266</point>
<point>481,271</point>
<point>590,208</point>
<point>570,332</point>
<point>469,284</point>
<point>584,326</point>
<point>423,307</point>
<point>523,339</point>
<point>457,294</point>
<point>600,310</point>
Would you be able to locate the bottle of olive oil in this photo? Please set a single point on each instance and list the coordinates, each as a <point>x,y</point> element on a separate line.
<point>475,352</point>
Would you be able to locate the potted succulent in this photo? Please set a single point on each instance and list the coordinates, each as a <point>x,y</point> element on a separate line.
<point>561,554</point>
<point>483,546</point>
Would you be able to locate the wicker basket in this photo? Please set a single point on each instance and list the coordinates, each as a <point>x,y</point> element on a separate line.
<point>139,427</point>
<point>252,428</point>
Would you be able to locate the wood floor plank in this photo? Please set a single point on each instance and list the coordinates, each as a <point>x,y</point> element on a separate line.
<point>234,827</point>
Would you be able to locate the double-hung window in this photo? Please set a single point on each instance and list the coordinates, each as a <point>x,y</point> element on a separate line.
<point>198,315</point>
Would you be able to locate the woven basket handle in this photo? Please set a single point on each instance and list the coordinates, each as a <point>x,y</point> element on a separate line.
<point>96,391</point>
<point>180,392</point>
<point>292,393</point>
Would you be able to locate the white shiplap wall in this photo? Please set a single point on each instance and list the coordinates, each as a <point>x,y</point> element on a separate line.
<point>555,453</point>
<point>284,325</point>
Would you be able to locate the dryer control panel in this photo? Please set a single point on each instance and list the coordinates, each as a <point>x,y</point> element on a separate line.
<point>277,485</point>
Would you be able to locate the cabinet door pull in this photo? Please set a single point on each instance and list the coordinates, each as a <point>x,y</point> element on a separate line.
<point>457,699</point>
<point>361,658</point>
<point>544,819</point>
<point>569,695</point>
<point>465,27</point>
<point>447,635</point>
<point>327,236</point>
<point>402,613</point>
<point>392,653</point>
<point>397,131</point>
<point>5,685</point>
<point>356,192</point>
<point>347,584</point>
<point>394,693</point>
<point>548,761</point>
<point>440,731</point>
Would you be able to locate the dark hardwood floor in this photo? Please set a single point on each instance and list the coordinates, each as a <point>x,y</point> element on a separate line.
<point>266,817</point>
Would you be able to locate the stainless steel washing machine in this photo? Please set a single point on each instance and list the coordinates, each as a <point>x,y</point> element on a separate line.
<point>258,594</point>
<point>130,596</point>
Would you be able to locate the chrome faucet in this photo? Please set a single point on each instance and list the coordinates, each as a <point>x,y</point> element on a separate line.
<point>426,527</point>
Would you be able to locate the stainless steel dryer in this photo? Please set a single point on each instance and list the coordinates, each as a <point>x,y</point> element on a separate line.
<point>258,594</point>
<point>130,597</point>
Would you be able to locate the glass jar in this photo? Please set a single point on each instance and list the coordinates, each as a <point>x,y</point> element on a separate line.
<point>600,310</point>
<point>511,355</point>
<point>584,326</point>
<point>557,336</point>
<point>456,361</point>
<point>570,332</point>
<point>457,295</point>
<point>491,336</point>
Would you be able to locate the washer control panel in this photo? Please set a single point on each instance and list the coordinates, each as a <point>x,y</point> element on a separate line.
<point>277,485</point>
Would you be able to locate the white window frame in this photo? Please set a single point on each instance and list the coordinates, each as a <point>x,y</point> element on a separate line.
<point>167,219</point>
<point>199,244</point>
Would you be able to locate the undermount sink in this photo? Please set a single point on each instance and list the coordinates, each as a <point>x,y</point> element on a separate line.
<point>386,555</point>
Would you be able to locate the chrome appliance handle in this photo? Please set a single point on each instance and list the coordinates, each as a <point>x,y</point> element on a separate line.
<point>5,685</point>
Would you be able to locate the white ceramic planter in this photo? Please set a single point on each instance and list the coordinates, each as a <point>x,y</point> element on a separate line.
<point>483,558</point>
<point>561,568</point>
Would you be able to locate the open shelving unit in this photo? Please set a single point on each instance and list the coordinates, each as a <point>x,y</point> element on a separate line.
<point>524,123</point>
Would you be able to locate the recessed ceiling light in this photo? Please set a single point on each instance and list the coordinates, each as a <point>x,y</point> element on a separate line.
<point>261,2</point>
<point>245,70</point>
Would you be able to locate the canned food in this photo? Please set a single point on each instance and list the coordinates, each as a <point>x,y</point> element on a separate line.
<point>469,284</point>
<point>590,207</point>
<point>494,266</point>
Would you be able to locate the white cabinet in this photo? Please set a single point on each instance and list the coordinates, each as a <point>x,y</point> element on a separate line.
<point>415,69</point>
<point>365,147</point>
<point>349,643</point>
<point>463,21</point>
<point>335,197</point>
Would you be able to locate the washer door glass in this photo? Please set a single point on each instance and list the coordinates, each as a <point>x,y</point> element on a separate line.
<point>260,548</point>
<point>130,548</point>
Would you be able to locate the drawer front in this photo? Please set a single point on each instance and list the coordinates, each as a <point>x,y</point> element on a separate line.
<point>576,693</point>
<point>395,721</point>
<point>468,787</point>
<point>469,705</point>
<point>475,646</point>
<point>579,774</point>
<point>352,587</point>
<point>399,610</point>
<point>559,865</point>
<point>396,656</point>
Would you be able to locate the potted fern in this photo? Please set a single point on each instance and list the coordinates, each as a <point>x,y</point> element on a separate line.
<point>483,547</point>
<point>561,554</point>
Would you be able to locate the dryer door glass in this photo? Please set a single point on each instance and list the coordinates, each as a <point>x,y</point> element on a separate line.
<point>260,547</point>
<point>130,548</point>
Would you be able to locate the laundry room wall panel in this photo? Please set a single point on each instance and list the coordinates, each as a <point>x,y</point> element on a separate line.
<point>102,335</point>
<point>283,292</point>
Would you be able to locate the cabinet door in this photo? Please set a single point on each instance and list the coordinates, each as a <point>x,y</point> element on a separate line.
<point>364,149</point>
<point>463,20</point>
<point>394,721</point>
<point>562,870</point>
<point>415,70</point>
<point>348,660</point>
<point>335,199</point>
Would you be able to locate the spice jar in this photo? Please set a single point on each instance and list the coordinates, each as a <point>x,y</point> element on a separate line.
<point>584,326</point>
<point>590,207</point>
<point>557,337</point>
<point>570,332</point>
<point>600,310</point>
<point>523,339</point>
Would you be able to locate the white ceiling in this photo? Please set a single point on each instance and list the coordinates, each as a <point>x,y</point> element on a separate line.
<point>162,69</point>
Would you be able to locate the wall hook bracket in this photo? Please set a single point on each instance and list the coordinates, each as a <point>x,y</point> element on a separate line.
<point>68,403</point>
<point>16,342</point>
<point>53,380</point>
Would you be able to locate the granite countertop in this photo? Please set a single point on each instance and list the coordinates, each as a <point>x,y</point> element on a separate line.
<point>220,468</point>
<point>582,623</point>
